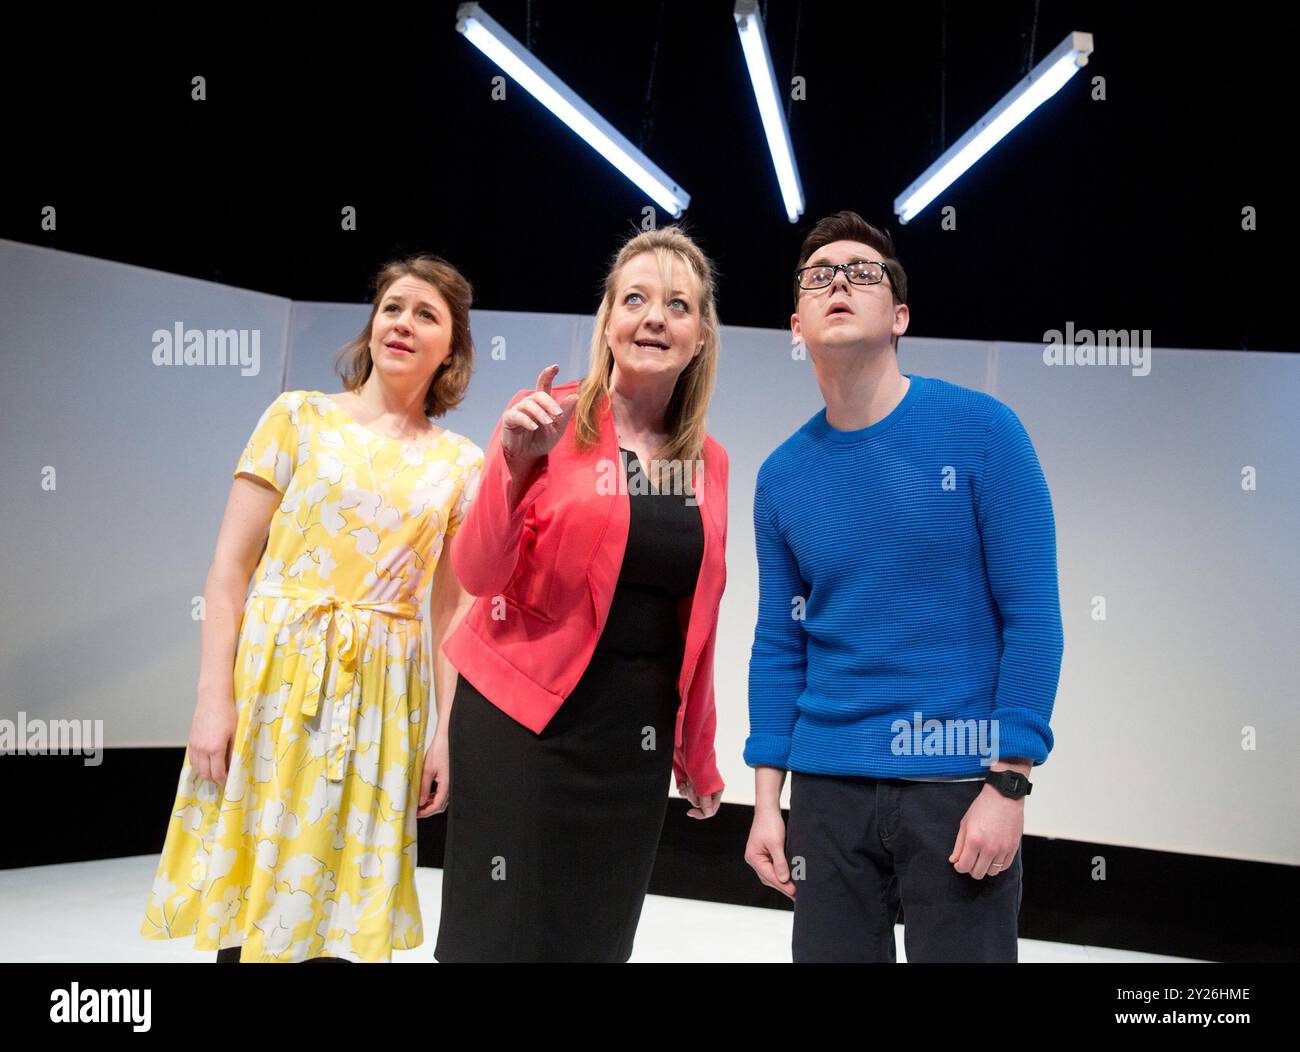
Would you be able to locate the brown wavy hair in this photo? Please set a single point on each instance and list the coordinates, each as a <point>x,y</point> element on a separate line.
<point>685,415</point>
<point>451,379</point>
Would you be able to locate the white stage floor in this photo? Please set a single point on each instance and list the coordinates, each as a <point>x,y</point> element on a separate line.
<point>92,911</point>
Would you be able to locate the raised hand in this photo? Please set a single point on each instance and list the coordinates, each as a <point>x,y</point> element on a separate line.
<point>533,426</point>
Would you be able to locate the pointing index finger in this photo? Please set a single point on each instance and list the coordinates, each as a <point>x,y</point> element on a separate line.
<point>545,377</point>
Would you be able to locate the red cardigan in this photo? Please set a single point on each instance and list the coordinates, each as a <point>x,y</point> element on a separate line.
<point>549,567</point>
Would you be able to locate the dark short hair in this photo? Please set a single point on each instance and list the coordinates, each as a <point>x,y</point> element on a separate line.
<point>849,226</point>
<point>451,379</point>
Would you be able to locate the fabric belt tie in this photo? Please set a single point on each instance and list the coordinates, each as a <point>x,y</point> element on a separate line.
<point>343,652</point>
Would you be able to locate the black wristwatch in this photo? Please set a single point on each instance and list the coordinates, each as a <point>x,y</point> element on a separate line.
<point>1010,783</point>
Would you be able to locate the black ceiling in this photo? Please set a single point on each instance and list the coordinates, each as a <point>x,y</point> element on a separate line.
<point>1123,213</point>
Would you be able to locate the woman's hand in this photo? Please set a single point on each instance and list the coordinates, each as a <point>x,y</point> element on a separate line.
<point>211,735</point>
<point>533,426</point>
<point>437,768</point>
<point>703,807</point>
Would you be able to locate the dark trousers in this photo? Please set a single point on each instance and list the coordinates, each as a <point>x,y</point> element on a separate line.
<point>866,846</point>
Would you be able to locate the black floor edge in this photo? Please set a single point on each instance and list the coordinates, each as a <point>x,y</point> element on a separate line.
<point>61,810</point>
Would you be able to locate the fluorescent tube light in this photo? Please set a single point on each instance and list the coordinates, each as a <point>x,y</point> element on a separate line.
<point>519,64</point>
<point>753,42</point>
<point>1044,81</point>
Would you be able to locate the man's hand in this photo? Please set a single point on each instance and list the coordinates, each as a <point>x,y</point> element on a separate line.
<point>765,851</point>
<point>990,831</point>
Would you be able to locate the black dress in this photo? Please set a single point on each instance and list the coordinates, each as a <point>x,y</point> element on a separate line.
<point>551,838</point>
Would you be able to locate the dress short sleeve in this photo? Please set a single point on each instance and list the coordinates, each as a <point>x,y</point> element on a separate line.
<point>272,450</point>
<point>469,488</point>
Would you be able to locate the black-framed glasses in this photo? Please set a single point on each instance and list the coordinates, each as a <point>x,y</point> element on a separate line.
<point>860,272</point>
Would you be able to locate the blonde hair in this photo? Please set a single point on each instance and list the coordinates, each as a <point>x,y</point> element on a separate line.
<point>451,379</point>
<point>685,416</point>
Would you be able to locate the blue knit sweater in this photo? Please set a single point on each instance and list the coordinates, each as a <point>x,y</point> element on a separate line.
<point>909,620</point>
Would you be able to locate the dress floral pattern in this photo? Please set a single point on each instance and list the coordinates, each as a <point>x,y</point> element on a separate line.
<point>310,850</point>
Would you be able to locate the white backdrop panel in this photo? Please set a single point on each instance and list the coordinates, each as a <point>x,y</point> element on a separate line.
<point>100,573</point>
<point>1200,577</point>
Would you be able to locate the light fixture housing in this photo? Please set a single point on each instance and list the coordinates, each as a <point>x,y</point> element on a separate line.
<point>518,63</point>
<point>753,43</point>
<point>1043,81</point>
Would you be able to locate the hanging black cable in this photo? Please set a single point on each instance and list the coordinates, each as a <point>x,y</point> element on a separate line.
<point>647,103</point>
<point>794,62</point>
<point>1033,35</point>
<point>943,77</point>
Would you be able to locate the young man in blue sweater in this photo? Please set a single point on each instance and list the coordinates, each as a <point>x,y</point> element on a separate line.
<point>909,640</point>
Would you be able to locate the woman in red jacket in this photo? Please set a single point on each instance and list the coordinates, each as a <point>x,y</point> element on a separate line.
<point>596,549</point>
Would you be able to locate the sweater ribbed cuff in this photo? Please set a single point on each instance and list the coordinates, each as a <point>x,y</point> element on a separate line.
<point>767,750</point>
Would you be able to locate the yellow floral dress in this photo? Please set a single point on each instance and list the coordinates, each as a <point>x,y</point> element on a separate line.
<point>310,850</point>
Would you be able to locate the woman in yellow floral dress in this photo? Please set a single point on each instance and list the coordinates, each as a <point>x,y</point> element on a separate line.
<point>293,834</point>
